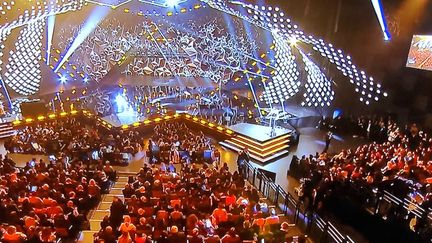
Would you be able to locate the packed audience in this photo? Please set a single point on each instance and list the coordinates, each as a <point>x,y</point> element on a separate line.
<point>69,138</point>
<point>401,164</point>
<point>198,204</point>
<point>46,201</point>
<point>176,142</point>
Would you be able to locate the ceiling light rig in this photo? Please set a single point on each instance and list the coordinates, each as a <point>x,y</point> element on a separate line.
<point>275,21</point>
<point>285,81</point>
<point>318,88</point>
<point>23,72</point>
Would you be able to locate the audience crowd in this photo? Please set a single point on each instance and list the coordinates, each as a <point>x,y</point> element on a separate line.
<point>175,142</point>
<point>401,164</point>
<point>46,201</point>
<point>198,204</point>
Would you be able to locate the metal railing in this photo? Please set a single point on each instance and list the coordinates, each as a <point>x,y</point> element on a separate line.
<point>310,223</point>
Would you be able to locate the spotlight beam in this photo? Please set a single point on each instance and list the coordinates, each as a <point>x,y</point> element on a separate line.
<point>379,11</point>
<point>96,16</point>
<point>50,33</point>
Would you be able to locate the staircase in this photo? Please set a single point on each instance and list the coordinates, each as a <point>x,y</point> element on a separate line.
<point>7,130</point>
<point>260,152</point>
<point>96,216</point>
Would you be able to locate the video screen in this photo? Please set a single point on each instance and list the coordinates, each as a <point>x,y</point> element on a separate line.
<point>420,54</point>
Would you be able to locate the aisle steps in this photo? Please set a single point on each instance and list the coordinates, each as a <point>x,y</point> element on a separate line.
<point>103,208</point>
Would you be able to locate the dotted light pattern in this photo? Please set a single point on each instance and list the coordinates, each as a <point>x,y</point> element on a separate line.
<point>318,88</point>
<point>274,20</point>
<point>285,82</point>
<point>23,73</point>
<point>41,11</point>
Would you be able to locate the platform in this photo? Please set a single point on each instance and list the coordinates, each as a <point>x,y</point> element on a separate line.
<point>263,147</point>
<point>123,118</point>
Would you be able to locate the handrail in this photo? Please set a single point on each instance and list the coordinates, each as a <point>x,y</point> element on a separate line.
<point>265,185</point>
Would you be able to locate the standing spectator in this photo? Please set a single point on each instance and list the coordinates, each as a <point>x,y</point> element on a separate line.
<point>242,158</point>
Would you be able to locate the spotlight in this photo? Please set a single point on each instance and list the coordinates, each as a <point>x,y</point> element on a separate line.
<point>293,41</point>
<point>63,79</point>
<point>171,3</point>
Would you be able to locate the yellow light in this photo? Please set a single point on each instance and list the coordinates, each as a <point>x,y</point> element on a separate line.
<point>74,112</point>
<point>183,10</point>
<point>17,122</point>
<point>229,131</point>
<point>197,6</point>
<point>220,128</point>
<point>136,124</point>
<point>124,126</point>
<point>169,13</point>
<point>176,115</point>
<point>167,117</point>
<point>188,116</point>
<point>147,122</point>
<point>28,120</point>
<point>195,119</point>
<point>263,55</point>
<point>52,116</point>
<point>158,119</point>
<point>211,125</point>
<point>203,122</point>
<point>126,10</point>
<point>63,113</point>
<point>41,118</point>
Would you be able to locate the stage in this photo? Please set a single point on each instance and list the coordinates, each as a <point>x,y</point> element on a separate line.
<point>127,117</point>
<point>263,146</point>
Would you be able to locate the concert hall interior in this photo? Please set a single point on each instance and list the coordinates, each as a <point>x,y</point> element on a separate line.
<point>232,121</point>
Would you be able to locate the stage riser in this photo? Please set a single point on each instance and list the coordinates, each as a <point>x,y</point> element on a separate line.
<point>7,130</point>
<point>258,153</point>
<point>254,157</point>
<point>262,150</point>
<point>263,146</point>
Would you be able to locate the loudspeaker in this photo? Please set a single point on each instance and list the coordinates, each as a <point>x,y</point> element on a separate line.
<point>33,109</point>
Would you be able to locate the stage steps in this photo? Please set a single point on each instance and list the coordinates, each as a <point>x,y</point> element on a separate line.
<point>103,209</point>
<point>7,130</point>
<point>253,156</point>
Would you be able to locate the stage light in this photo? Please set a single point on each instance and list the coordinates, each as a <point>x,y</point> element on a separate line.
<point>63,79</point>
<point>379,11</point>
<point>96,16</point>
<point>171,3</point>
<point>293,40</point>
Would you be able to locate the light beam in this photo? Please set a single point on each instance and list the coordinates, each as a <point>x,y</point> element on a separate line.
<point>379,11</point>
<point>50,33</point>
<point>96,16</point>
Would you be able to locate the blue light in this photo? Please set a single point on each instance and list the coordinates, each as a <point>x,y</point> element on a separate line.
<point>63,79</point>
<point>122,103</point>
<point>172,3</point>
<point>96,16</point>
<point>379,11</point>
<point>86,80</point>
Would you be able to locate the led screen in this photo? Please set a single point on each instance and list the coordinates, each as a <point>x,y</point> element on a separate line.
<point>420,54</point>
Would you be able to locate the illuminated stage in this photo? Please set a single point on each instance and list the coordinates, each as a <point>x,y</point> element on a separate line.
<point>263,147</point>
<point>127,117</point>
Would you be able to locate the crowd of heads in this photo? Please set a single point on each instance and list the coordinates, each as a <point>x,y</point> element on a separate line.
<point>401,164</point>
<point>198,204</point>
<point>176,142</point>
<point>46,201</point>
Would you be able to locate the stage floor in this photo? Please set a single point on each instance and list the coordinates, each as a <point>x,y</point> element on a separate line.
<point>258,132</point>
<point>123,118</point>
